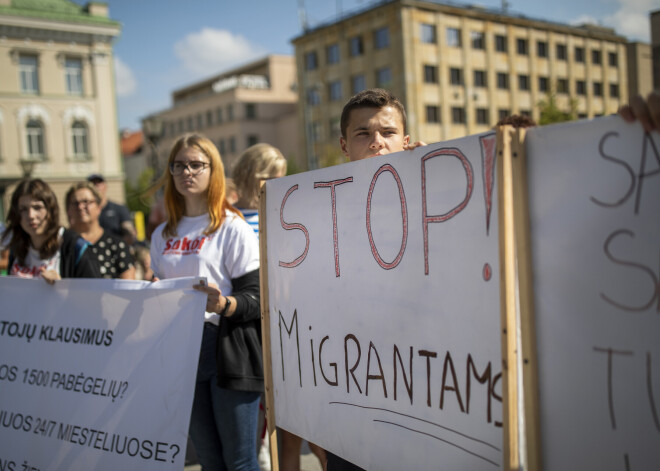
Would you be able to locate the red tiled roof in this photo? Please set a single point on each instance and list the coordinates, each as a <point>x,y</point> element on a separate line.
<point>131,142</point>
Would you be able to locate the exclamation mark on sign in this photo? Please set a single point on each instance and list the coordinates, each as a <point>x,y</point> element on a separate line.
<point>488,148</point>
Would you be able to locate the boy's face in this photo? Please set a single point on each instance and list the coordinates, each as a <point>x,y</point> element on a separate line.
<point>373,131</point>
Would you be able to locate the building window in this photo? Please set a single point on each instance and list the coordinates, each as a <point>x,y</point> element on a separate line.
<point>521,46</point>
<point>251,140</point>
<point>73,72</point>
<point>454,37</point>
<point>482,116</point>
<point>613,59</point>
<point>614,90</point>
<point>79,140</point>
<point>503,113</point>
<point>523,82</point>
<point>250,111</point>
<point>432,114</point>
<point>502,80</point>
<point>209,118</point>
<point>455,76</point>
<point>232,145</point>
<point>541,49</point>
<point>218,115</point>
<point>581,87</point>
<point>311,61</point>
<point>200,121</point>
<point>315,131</point>
<point>34,133</point>
<point>480,78</point>
<point>190,123</point>
<point>562,86</point>
<point>579,54</point>
<point>332,53</point>
<point>598,89</point>
<point>458,115</point>
<point>334,90</point>
<point>222,146</point>
<point>180,125</point>
<point>313,97</point>
<point>358,83</point>
<point>29,73</point>
<point>526,113</point>
<point>230,113</point>
<point>543,84</point>
<point>478,40</point>
<point>427,33</point>
<point>500,43</point>
<point>430,74</point>
<point>356,46</point>
<point>595,57</point>
<point>561,52</point>
<point>382,38</point>
<point>384,77</point>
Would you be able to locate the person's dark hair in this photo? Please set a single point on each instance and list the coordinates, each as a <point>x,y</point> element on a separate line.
<point>20,240</point>
<point>517,121</point>
<point>371,98</point>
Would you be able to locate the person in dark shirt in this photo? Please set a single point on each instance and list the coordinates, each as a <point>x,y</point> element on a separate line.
<point>114,218</point>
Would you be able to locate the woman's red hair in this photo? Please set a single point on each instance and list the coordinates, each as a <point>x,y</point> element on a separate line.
<point>215,194</point>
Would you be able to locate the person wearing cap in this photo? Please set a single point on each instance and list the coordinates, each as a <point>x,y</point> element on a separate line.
<point>115,218</point>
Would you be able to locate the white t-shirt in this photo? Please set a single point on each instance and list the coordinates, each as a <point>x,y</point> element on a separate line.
<point>33,263</point>
<point>230,252</point>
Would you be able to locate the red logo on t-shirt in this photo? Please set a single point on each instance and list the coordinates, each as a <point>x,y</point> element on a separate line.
<point>25,272</point>
<point>184,246</point>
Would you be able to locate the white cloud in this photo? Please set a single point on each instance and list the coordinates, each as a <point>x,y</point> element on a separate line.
<point>211,51</point>
<point>632,19</point>
<point>124,79</point>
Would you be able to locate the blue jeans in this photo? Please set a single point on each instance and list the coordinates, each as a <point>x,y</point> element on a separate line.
<point>223,425</point>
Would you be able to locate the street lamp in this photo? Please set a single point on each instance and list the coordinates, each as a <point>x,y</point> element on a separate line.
<point>27,166</point>
<point>153,131</point>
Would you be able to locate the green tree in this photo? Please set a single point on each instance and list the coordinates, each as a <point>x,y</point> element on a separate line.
<point>551,113</point>
<point>136,198</point>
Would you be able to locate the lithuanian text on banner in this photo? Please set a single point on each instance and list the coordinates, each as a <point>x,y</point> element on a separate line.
<point>97,374</point>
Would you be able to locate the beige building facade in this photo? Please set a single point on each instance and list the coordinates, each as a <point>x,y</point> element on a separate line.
<point>58,118</point>
<point>253,103</point>
<point>457,70</point>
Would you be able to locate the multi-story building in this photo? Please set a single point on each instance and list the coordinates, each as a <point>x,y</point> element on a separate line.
<point>457,70</point>
<point>640,68</point>
<point>58,118</point>
<point>236,109</point>
<point>655,47</point>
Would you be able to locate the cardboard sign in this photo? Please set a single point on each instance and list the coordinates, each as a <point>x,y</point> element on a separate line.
<point>384,307</point>
<point>595,238</point>
<point>97,374</point>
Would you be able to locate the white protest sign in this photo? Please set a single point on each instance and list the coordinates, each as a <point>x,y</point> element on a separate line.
<point>595,231</point>
<point>97,374</point>
<point>384,307</point>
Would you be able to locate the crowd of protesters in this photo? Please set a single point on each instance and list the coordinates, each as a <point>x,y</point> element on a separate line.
<point>200,203</point>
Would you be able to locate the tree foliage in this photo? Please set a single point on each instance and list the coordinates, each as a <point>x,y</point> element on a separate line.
<point>550,112</point>
<point>136,198</point>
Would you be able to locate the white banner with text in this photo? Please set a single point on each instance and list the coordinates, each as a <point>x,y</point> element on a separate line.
<point>97,374</point>
<point>384,307</point>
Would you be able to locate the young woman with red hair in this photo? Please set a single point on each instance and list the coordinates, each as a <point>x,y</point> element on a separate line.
<point>205,236</point>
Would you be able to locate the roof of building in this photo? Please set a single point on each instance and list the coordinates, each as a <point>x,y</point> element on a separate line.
<point>61,10</point>
<point>478,11</point>
<point>131,142</point>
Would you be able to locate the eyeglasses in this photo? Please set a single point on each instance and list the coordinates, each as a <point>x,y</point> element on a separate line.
<point>83,203</point>
<point>194,168</point>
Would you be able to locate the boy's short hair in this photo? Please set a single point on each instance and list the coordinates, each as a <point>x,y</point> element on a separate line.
<point>371,98</point>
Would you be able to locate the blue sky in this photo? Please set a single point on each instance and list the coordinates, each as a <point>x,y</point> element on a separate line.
<point>167,44</point>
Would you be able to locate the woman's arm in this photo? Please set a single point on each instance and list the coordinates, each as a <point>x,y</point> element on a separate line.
<point>244,303</point>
